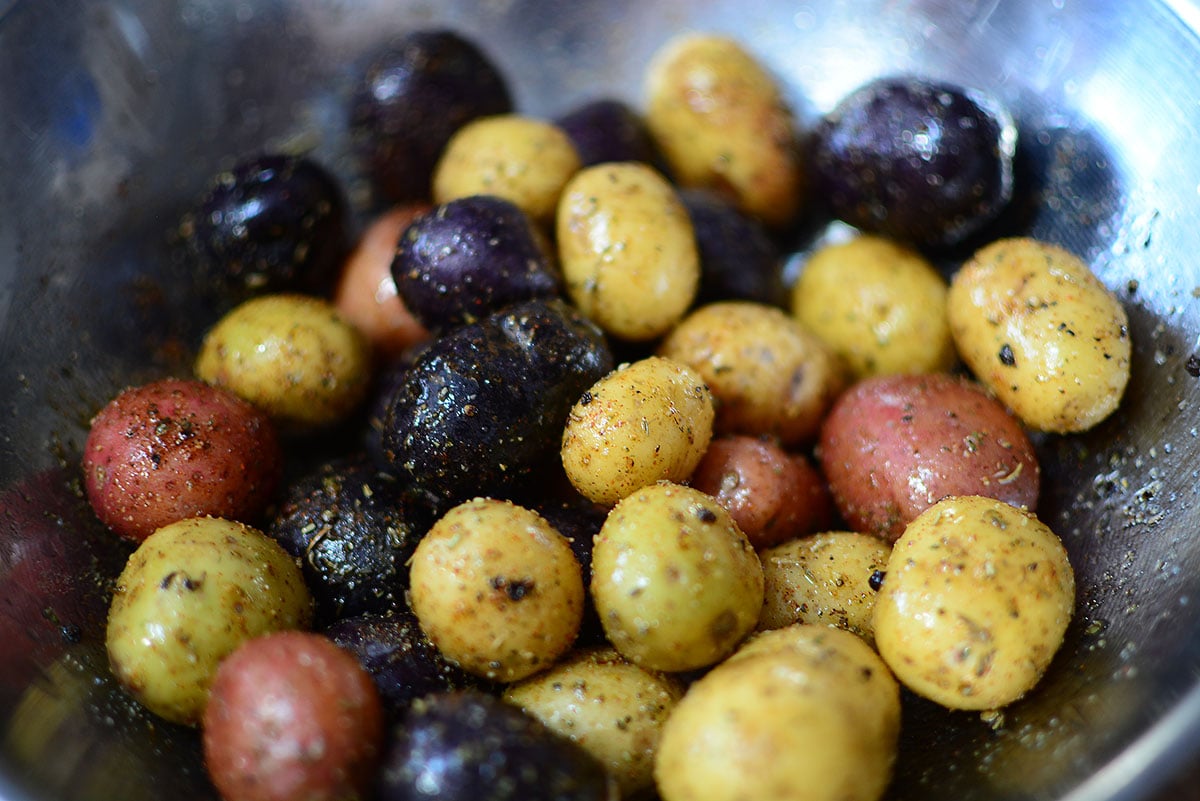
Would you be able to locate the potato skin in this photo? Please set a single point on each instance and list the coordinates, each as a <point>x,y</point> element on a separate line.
<point>177,448</point>
<point>1039,329</point>
<point>628,249</point>
<point>190,594</point>
<point>894,445</point>
<point>291,716</point>
<point>977,598</point>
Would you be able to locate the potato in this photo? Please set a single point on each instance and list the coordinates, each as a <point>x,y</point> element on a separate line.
<point>830,578</point>
<point>521,159</point>
<point>878,305</point>
<point>1042,332</point>
<point>770,375</point>
<point>644,422</point>
<point>628,250</point>
<point>190,594</point>
<point>720,120</point>
<point>977,597</point>
<point>291,715</point>
<point>497,589</point>
<point>611,707</point>
<point>676,584</point>
<point>814,719</point>
<point>293,356</point>
<point>894,445</point>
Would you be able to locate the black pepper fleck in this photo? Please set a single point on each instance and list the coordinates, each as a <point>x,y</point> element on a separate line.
<point>1007,357</point>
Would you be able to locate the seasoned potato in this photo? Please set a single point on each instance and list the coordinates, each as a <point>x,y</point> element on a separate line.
<point>676,584</point>
<point>768,373</point>
<point>721,122</point>
<point>521,159</point>
<point>647,421</point>
<point>610,706</point>
<point>189,595</point>
<point>1042,332</point>
<point>291,355</point>
<point>879,305</point>
<point>628,249</point>
<point>829,578</point>
<point>977,597</point>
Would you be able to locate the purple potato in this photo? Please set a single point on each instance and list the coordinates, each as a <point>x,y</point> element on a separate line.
<point>738,258</point>
<point>608,130</point>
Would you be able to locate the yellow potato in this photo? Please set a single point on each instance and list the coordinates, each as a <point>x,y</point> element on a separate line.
<point>628,250</point>
<point>879,305</point>
<point>1042,332</point>
<point>977,597</point>
<point>721,122</point>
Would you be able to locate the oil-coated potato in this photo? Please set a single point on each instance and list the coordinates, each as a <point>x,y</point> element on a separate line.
<point>1042,332</point>
<point>879,305</point>
<point>611,707</point>
<point>645,422</point>
<point>676,584</point>
<point>628,250</point>
<point>976,600</point>
<point>293,356</point>
<point>769,374</point>
<point>190,594</point>
<point>721,122</point>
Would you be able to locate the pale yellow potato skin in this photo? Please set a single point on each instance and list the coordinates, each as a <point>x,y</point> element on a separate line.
<point>676,584</point>
<point>977,597</point>
<point>614,709</point>
<point>497,589</point>
<point>768,373</point>
<point>647,421</point>
<point>293,356</point>
<point>627,249</point>
<point>190,594</point>
<point>1039,329</point>
<point>524,160</point>
<point>721,122</point>
<point>879,305</point>
<point>823,579</point>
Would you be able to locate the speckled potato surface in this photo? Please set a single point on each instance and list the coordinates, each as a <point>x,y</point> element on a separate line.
<point>190,594</point>
<point>497,589</point>
<point>1037,327</point>
<point>675,582</point>
<point>977,597</point>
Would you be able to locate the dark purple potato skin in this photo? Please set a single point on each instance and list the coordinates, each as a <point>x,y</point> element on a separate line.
<point>738,259</point>
<point>468,258</point>
<point>414,96</point>
<point>272,224</point>
<point>468,746</point>
<point>607,130</point>
<point>483,406</point>
<point>918,161</point>
<point>579,520</point>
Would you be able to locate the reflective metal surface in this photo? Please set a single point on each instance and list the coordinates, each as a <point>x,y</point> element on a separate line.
<point>114,113</point>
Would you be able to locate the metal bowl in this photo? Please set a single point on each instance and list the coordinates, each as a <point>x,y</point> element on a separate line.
<point>114,113</point>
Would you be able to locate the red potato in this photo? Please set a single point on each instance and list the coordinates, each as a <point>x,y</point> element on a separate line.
<point>893,446</point>
<point>772,495</point>
<point>175,449</point>
<point>292,717</point>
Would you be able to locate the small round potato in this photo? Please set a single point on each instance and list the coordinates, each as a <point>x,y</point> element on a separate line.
<point>977,597</point>
<point>1042,332</point>
<point>769,374</point>
<point>293,356</point>
<point>611,707</point>
<point>523,160</point>
<point>830,578</point>
<point>645,422</point>
<point>879,305</point>
<point>190,594</point>
<point>676,584</point>
<point>628,250</point>
<point>721,122</point>
<point>497,589</point>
